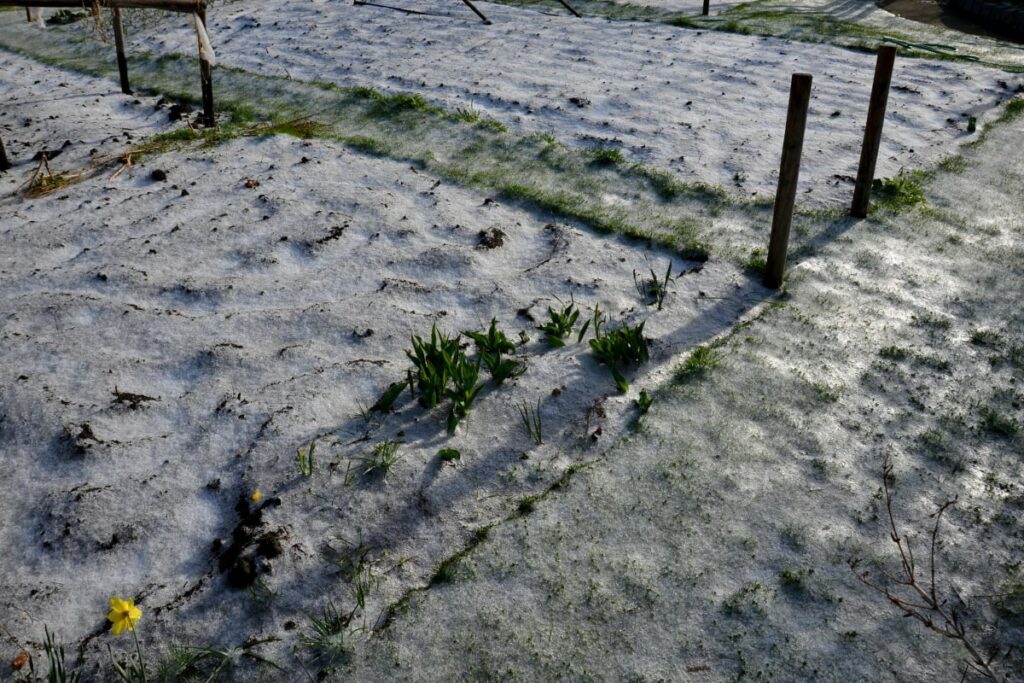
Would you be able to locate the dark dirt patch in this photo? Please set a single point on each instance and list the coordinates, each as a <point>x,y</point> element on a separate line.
<point>490,239</point>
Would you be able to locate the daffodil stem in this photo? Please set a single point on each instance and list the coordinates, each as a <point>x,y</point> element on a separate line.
<point>138,651</point>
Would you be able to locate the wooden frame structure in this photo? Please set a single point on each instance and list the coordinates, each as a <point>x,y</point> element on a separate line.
<point>194,7</point>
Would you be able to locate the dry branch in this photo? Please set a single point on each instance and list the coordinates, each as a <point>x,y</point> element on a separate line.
<point>924,604</point>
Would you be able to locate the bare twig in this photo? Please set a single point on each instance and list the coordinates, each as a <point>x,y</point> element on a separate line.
<point>925,606</point>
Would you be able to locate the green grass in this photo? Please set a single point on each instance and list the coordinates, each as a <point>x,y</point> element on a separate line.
<point>904,191</point>
<point>699,364</point>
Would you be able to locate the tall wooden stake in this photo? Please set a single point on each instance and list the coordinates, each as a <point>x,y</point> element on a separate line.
<point>206,75</point>
<point>122,62</point>
<point>707,7</point>
<point>789,173</point>
<point>873,130</point>
<point>28,14</point>
<point>5,163</point>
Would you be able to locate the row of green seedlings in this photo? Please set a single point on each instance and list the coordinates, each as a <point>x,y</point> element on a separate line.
<point>442,370</point>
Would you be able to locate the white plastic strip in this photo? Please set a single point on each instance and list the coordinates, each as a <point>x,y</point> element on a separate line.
<point>205,46</point>
<point>37,16</point>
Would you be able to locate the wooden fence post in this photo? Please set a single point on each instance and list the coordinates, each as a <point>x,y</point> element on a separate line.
<point>28,14</point>
<point>5,163</point>
<point>789,173</point>
<point>873,130</point>
<point>706,8</point>
<point>122,62</point>
<point>206,76</point>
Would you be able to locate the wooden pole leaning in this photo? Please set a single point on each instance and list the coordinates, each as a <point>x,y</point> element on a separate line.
<point>569,7</point>
<point>873,130</point>
<point>789,174</point>
<point>480,14</point>
<point>206,76</point>
<point>122,61</point>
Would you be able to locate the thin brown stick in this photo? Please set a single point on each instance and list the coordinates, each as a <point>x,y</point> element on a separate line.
<point>928,609</point>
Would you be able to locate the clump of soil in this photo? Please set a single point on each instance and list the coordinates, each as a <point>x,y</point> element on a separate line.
<point>491,239</point>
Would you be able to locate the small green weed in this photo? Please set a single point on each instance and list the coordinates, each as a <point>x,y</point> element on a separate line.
<point>56,671</point>
<point>700,363</point>
<point>449,455</point>
<point>304,458</point>
<point>986,338</point>
<point>903,191</point>
<point>386,403</point>
<point>432,361</point>
<point>464,390</point>
<point>996,423</point>
<point>654,290</point>
<point>624,345</point>
<point>560,324</point>
<point>757,261</point>
<point>491,345</point>
<point>532,422</point>
<point>644,401</point>
<point>378,463</point>
<point>326,635</point>
<point>606,157</point>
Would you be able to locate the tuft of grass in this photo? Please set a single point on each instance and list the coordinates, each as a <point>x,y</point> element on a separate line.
<point>327,635</point>
<point>986,338</point>
<point>532,422</point>
<point>896,194</point>
<point>895,353</point>
<point>527,504</point>
<point>367,145</point>
<point>378,462</point>
<point>606,157</point>
<point>699,363</point>
<point>795,579</point>
<point>998,424</point>
<point>655,289</point>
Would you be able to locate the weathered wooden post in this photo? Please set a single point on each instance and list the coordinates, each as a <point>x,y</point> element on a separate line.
<point>5,163</point>
<point>28,14</point>
<point>789,173</point>
<point>206,75</point>
<point>707,7</point>
<point>122,62</point>
<point>873,130</point>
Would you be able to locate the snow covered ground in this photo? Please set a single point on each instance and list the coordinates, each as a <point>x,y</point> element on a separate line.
<point>172,334</point>
<point>710,106</point>
<point>170,343</point>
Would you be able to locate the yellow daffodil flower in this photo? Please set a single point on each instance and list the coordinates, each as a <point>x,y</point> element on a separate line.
<point>256,496</point>
<point>123,615</point>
